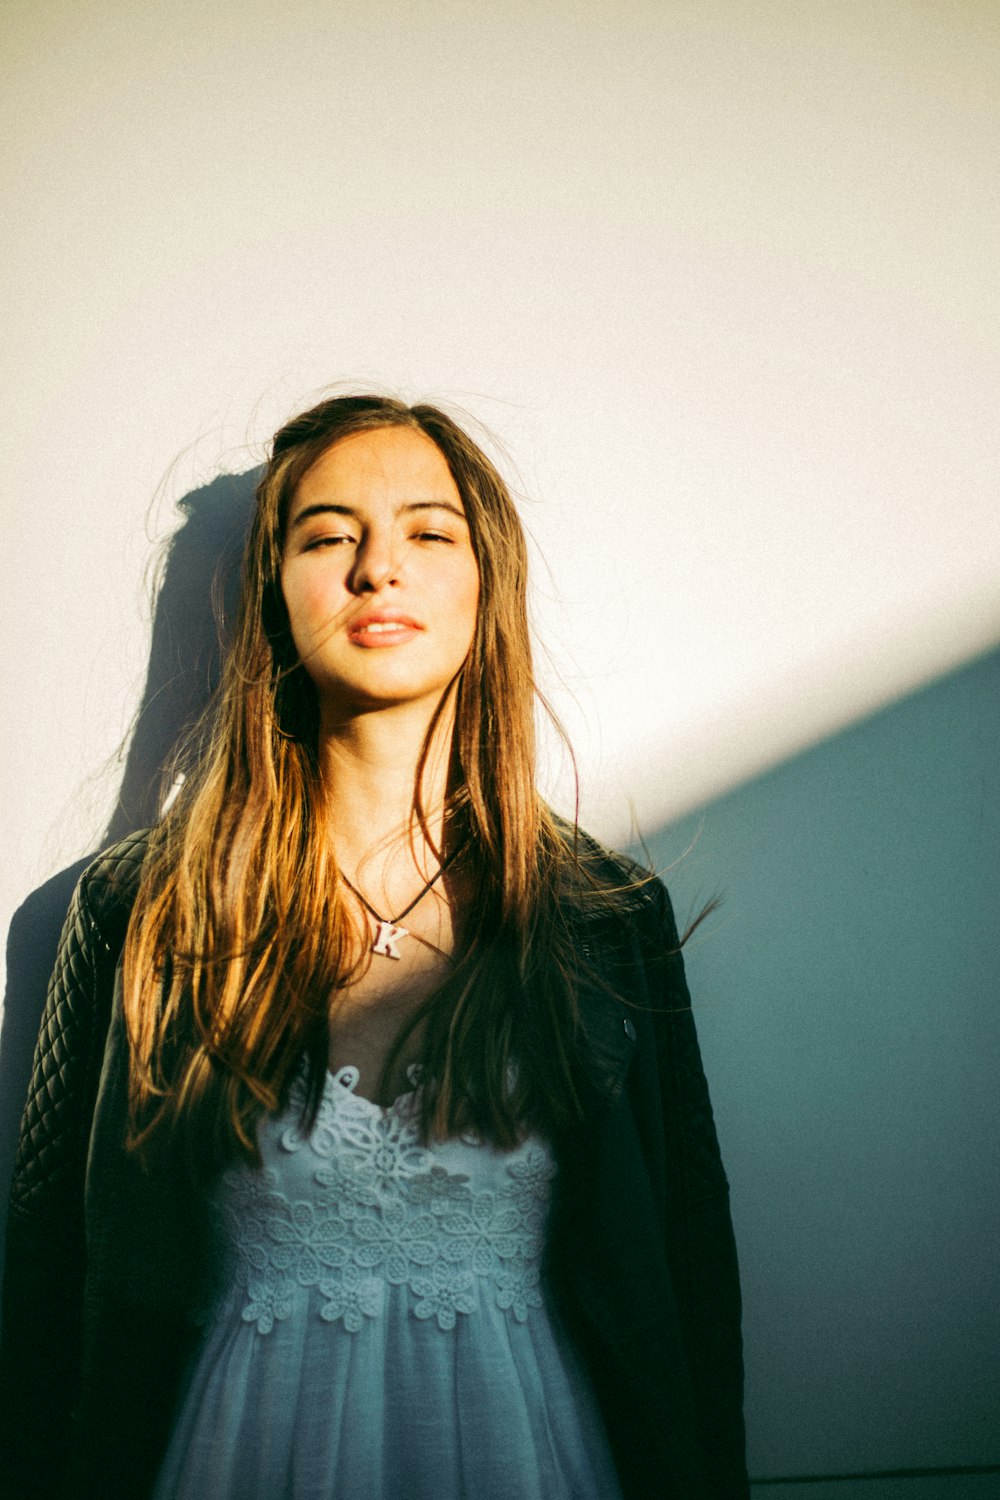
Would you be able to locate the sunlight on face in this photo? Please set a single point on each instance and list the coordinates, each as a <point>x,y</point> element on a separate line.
<point>378,572</point>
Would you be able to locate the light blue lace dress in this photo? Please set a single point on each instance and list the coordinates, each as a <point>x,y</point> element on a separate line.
<point>380,1330</point>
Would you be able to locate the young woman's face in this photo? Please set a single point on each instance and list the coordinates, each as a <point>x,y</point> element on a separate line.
<point>378,573</point>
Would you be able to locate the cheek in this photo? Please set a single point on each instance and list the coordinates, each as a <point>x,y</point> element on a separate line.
<point>308,600</point>
<point>470,609</point>
<point>304,618</point>
<point>293,604</point>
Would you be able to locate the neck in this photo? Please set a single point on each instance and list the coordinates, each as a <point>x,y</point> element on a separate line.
<point>370,764</point>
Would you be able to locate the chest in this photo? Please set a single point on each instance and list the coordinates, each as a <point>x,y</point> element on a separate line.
<point>407,964</point>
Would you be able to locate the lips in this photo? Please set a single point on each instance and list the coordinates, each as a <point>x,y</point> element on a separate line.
<point>382,627</point>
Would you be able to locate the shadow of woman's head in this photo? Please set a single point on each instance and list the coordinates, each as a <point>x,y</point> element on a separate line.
<point>197,596</point>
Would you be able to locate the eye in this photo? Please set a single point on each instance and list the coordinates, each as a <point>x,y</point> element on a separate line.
<point>334,539</point>
<point>433,536</point>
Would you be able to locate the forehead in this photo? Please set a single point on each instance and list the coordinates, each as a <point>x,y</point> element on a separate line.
<point>391,466</point>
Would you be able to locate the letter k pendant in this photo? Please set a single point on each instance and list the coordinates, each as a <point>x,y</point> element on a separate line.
<point>387,937</point>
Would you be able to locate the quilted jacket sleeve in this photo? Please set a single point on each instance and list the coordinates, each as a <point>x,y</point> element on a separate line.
<point>43,1282</point>
<point>700,1241</point>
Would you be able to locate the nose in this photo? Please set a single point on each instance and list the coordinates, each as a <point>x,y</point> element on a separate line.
<point>375,563</point>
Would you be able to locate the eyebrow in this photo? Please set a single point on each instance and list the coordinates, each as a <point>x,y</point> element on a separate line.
<point>328,508</point>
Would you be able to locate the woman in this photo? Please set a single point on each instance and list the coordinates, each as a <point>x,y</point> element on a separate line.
<point>368,1151</point>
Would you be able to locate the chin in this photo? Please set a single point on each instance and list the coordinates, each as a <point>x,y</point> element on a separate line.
<point>366,697</point>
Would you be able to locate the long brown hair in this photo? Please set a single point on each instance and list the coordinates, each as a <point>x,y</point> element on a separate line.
<point>240,932</point>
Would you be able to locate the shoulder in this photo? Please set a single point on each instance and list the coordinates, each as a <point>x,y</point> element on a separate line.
<point>108,886</point>
<point>605,884</point>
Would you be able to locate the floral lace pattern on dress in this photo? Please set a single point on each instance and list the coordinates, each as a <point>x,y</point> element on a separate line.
<point>383,1211</point>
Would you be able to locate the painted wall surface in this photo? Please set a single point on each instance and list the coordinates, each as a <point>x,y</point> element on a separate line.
<point>848,1001</point>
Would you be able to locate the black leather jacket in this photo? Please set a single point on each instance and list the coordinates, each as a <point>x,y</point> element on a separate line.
<point>101,1255</point>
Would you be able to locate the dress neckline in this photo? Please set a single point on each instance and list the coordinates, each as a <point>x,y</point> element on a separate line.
<point>344,1081</point>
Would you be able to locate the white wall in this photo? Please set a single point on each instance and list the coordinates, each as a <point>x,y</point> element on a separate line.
<point>721,277</point>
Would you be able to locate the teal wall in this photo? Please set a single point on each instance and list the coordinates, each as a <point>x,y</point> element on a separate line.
<point>848,1001</point>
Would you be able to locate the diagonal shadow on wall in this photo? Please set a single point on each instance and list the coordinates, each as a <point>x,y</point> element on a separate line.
<point>848,1001</point>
